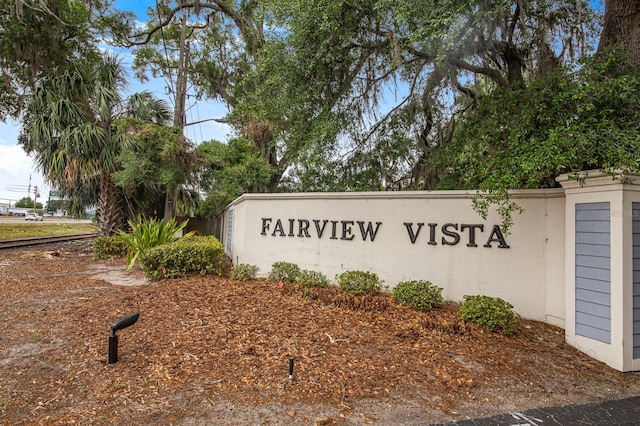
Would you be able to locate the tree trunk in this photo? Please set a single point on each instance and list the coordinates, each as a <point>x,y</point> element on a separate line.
<point>179,117</point>
<point>261,132</point>
<point>622,28</point>
<point>170,204</point>
<point>514,61</point>
<point>109,210</point>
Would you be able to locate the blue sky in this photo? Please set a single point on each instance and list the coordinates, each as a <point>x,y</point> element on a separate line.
<point>17,169</point>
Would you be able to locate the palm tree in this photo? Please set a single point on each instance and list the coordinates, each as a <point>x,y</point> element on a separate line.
<point>68,128</point>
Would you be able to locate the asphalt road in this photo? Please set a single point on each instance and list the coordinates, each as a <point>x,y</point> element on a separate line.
<point>607,413</point>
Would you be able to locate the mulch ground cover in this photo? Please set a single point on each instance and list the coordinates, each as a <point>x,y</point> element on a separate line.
<point>210,350</point>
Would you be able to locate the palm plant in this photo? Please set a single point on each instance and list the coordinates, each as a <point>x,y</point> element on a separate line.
<point>146,234</point>
<point>68,128</point>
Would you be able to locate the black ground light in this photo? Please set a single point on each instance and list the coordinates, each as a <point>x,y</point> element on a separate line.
<point>124,322</point>
<point>290,368</point>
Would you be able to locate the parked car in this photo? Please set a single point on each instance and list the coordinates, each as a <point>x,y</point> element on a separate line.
<point>33,216</point>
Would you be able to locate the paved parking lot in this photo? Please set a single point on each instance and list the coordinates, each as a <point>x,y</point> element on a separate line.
<point>617,412</point>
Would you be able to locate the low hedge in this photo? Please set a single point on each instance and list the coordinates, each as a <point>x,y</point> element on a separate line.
<point>108,247</point>
<point>284,271</point>
<point>244,272</point>
<point>307,278</point>
<point>358,283</point>
<point>418,294</point>
<point>493,313</point>
<point>203,254</point>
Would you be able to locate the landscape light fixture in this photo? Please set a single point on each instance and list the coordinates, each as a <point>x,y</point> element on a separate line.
<point>290,368</point>
<point>124,322</point>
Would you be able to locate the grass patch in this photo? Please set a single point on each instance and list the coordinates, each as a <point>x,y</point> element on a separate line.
<point>10,231</point>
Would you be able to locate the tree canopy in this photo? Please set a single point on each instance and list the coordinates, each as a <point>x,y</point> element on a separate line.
<point>71,127</point>
<point>156,159</point>
<point>39,38</point>
<point>364,96</point>
<point>28,202</point>
<point>228,171</point>
<point>341,96</point>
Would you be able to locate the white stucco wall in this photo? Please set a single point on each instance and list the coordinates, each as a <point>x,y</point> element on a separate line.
<point>529,274</point>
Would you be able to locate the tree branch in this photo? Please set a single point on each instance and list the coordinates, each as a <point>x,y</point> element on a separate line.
<point>216,6</point>
<point>420,54</point>
<point>467,91</point>
<point>514,22</point>
<point>217,120</point>
<point>493,74</point>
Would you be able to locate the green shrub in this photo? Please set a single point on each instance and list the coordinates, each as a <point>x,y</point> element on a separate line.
<point>244,272</point>
<point>420,295</point>
<point>203,254</point>
<point>284,271</point>
<point>146,234</point>
<point>492,312</point>
<point>308,278</point>
<point>357,283</point>
<point>108,247</point>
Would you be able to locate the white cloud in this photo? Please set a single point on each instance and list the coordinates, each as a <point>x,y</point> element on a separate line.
<point>16,173</point>
<point>14,161</point>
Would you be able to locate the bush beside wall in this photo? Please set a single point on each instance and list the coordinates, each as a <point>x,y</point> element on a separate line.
<point>492,312</point>
<point>420,295</point>
<point>202,254</point>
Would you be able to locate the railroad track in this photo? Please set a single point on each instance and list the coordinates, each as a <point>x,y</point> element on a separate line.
<point>21,242</point>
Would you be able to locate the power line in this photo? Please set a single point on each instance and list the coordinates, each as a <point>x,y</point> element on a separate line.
<point>17,188</point>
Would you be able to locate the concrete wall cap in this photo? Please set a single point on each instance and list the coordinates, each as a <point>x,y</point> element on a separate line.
<point>390,195</point>
<point>597,177</point>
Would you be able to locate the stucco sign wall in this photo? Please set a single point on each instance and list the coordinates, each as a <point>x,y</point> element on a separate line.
<point>434,236</point>
<point>571,259</point>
